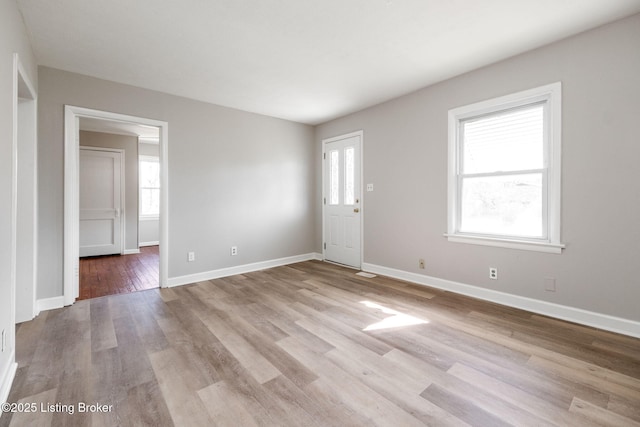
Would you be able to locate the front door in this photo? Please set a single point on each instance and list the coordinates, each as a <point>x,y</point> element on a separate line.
<point>100,202</point>
<point>342,207</point>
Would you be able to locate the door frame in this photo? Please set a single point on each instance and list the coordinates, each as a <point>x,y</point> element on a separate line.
<point>24,200</point>
<point>123,211</point>
<point>359,133</point>
<point>71,273</point>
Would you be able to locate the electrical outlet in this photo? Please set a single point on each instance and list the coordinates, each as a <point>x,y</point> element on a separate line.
<point>421,264</point>
<point>369,187</point>
<point>4,340</point>
<point>234,250</point>
<point>493,273</point>
<point>191,256</point>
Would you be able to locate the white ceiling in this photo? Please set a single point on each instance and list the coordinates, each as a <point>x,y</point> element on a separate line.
<point>302,60</point>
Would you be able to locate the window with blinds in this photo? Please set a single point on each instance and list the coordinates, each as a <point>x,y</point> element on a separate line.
<point>504,168</point>
<point>502,172</point>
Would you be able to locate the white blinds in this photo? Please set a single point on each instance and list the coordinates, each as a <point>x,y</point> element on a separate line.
<point>511,140</point>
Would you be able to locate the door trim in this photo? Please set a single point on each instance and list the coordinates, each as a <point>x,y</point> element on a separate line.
<point>23,240</point>
<point>71,273</point>
<point>359,133</point>
<point>123,210</point>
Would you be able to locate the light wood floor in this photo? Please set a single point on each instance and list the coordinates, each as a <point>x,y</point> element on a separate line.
<point>119,274</point>
<point>312,344</point>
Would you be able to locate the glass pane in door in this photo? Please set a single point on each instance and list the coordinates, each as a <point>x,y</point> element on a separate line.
<point>334,177</point>
<point>349,178</point>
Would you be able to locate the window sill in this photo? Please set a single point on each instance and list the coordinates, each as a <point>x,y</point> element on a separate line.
<point>552,248</point>
<point>149,218</point>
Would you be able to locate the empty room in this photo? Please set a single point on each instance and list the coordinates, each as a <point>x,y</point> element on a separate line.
<point>319,213</point>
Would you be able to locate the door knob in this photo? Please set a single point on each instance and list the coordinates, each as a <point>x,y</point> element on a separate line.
<point>356,210</point>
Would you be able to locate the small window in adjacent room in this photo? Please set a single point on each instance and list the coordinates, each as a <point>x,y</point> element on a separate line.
<point>504,171</point>
<point>149,187</point>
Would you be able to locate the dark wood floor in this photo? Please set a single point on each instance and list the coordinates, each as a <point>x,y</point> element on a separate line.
<point>119,274</point>
<point>313,344</point>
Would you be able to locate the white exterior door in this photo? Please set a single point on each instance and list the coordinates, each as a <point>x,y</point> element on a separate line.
<point>342,196</point>
<point>100,202</point>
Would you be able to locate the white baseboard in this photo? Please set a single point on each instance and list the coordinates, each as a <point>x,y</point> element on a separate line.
<point>142,244</point>
<point>240,269</point>
<point>49,304</point>
<point>571,314</point>
<point>6,380</point>
<point>131,251</point>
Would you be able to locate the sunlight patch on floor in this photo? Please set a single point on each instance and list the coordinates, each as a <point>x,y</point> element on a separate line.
<point>396,320</point>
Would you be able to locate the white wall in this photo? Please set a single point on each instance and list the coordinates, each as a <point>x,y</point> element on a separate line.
<point>405,156</point>
<point>149,232</point>
<point>13,38</point>
<point>235,178</point>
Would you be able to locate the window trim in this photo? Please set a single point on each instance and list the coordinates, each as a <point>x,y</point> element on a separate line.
<point>147,217</point>
<point>551,96</point>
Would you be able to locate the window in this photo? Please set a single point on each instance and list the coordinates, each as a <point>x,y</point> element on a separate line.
<point>334,177</point>
<point>504,171</point>
<point>149,187</point>
<point>348,175</point>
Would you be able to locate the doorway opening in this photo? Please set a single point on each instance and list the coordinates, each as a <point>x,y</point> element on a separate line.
<point>133,267</point>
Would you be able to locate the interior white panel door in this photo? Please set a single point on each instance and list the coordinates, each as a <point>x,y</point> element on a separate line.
<point>342,213</point>
<point>100,202</point>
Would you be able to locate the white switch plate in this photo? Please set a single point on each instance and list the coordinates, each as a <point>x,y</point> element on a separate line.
<point>369,187</point>
<point>191,256</point>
